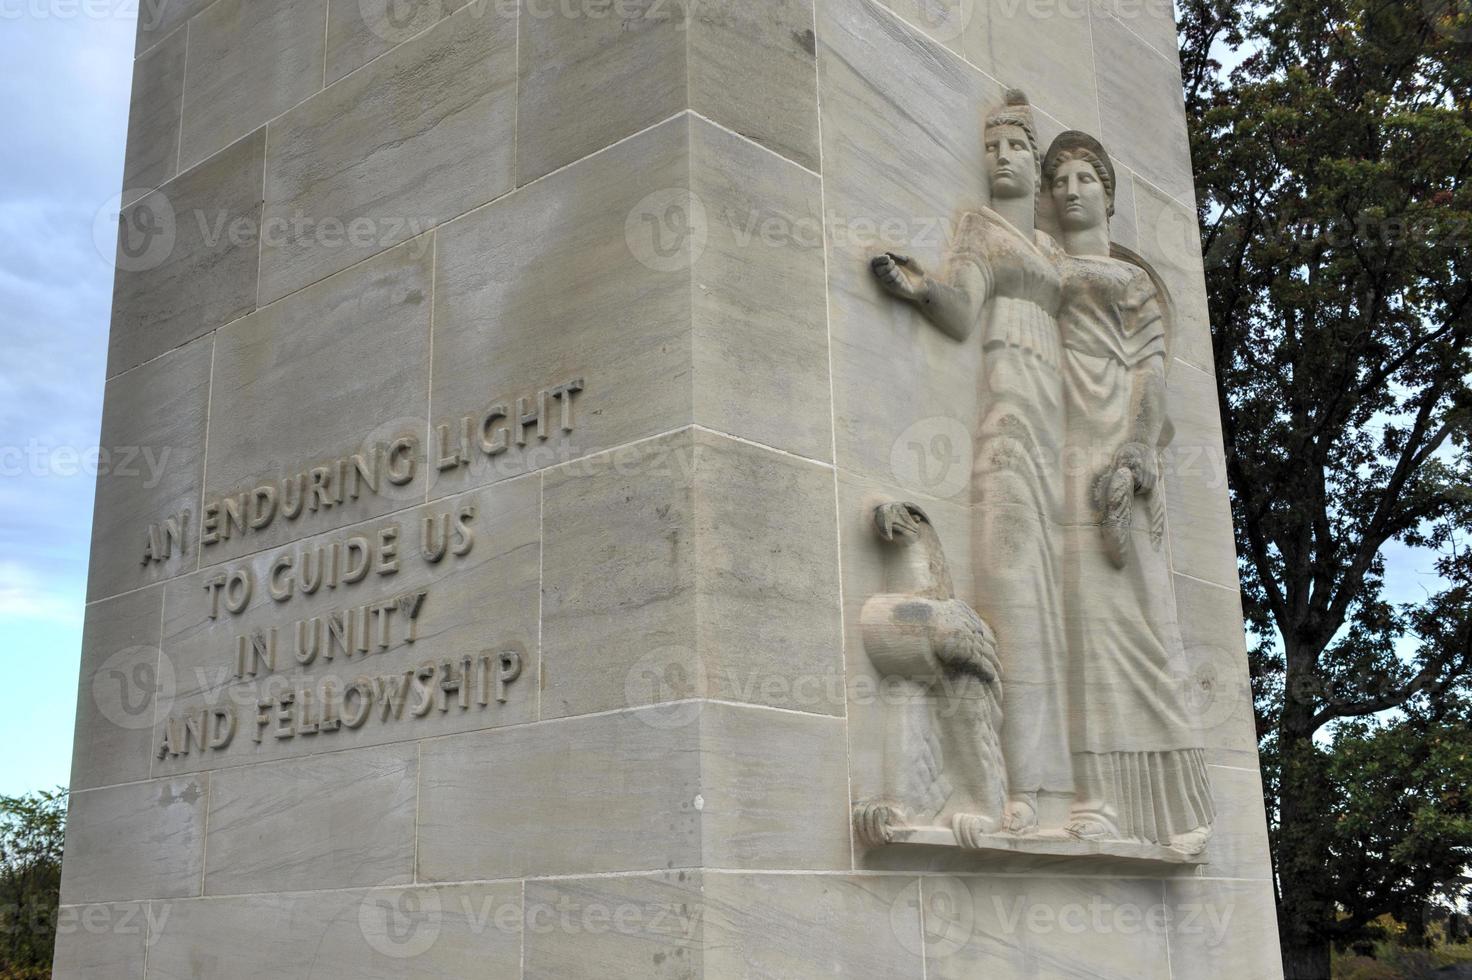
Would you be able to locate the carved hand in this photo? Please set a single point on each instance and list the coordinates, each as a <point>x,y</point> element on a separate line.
<point>899,519</point>
<point>900,276</point>
<point>1142,461</point>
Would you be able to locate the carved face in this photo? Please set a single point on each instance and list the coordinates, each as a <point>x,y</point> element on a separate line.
<point>1080,196</point>
<point>1011,162</point>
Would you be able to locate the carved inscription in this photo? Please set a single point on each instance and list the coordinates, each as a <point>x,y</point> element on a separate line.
<point>311,674</point>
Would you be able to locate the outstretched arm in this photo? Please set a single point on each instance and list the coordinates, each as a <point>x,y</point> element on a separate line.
<point>952,305</point>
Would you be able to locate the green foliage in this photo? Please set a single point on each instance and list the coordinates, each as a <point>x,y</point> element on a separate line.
<point>31,833</point>
<point>1334,185</point>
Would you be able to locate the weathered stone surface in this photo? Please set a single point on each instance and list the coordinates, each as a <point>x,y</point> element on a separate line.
<point>157,19</point>
<point>593,78</point>
<point>759,311</point>
<point>136,841</point>
<point>683,924</point>
<point>188,256</point>
<point>101,942</point>
<point>1202,544</point>
<point>591,81</point>
<point>616,792</point>
<point>774,790</point>
<point>339,368</point>
<point>337,820</point>
<point>1083,928</point>
<point>153,428</point>
<point>360,30</point>
<point>896,186</point>
<point>379,157</point>
<point>373,934</point>
<point>1141,108</point>
<point>625,926</point>
<point>753,70</point>
<point>1216,662</point>
<point>1171,239</point>
<point>153,120</point>
<point>728,786</point>
<point>504,328</point>
<point>1240,843</point>
<point>120,689</point>
<point>1223,928</point>
<point>720,582</point>
<point>249,61</point>
<point>1000,39</point>
<point>793,925</point>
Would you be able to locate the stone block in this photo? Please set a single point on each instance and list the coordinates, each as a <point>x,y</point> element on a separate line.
<point>153,120</point>
<point>1200,519</point>
<point>120,689</point>
<point>337,820</point>
<point>720,583</point>
<point>387,153</point>
<point>249,61</point>
<point>381,933</point>
<point>187,256</point>
<point>135,841</point>
<point>153,430</point>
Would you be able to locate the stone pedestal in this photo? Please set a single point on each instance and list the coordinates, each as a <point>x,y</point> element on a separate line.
<point>508,397</point>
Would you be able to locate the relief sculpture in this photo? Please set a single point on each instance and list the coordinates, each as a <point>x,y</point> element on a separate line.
<point>1089,744</point>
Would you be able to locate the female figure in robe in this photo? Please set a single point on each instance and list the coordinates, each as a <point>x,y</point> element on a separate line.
<point>1002,281</point>
<point>1138,761</point>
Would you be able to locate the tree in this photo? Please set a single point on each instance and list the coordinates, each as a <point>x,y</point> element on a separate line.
<point>31,832</point>
<point>1334,184</point>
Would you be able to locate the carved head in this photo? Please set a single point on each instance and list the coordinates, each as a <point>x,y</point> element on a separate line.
<point>1080,177</point>
<point>1012,159</point>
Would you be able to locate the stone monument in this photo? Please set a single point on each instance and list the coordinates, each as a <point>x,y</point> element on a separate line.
<point>661,488</point>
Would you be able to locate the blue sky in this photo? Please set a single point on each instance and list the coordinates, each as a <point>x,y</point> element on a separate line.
<point>65,71</point>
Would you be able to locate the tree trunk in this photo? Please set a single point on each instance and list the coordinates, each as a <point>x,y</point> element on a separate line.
<point>1306,905</point>
<point>1307,962</point>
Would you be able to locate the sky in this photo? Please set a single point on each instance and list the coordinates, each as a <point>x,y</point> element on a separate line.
<point>65,72</point>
